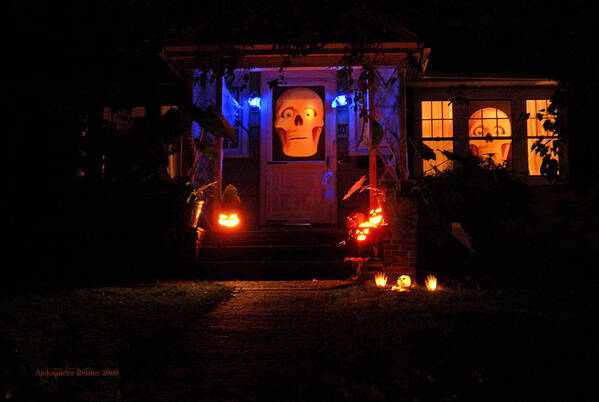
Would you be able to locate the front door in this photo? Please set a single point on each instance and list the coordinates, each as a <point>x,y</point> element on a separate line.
<point>298,155</point>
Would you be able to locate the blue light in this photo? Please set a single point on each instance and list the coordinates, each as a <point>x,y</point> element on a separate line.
<point>340,100</point>
<point>254,101</point>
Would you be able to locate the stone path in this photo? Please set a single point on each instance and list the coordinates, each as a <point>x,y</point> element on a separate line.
<point>250,341</point>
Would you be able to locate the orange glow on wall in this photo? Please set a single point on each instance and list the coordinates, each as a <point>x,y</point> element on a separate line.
<point>228,221</point>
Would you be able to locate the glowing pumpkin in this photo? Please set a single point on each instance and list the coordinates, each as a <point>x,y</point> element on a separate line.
<point>376,216</point>
<point>363,231</point>
<point>380,279</point>
<point>229,221</point>
<point>404,281</point>
<point>431,283</point>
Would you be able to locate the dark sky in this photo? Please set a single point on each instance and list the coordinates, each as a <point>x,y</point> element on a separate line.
<point>73,38</point>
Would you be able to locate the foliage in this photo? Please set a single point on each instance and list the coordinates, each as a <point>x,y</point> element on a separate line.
<point>549,148</point>
<point>491,207</point>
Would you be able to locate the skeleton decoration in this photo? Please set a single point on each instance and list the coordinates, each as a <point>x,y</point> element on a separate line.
<point>490,125</point>
<point>299,121</point>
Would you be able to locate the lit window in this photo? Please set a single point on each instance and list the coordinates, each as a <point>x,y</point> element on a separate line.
<point>165,109</point>
<point>490,135</point>
<point>537,134</point>
<point>123,118</point>
<point>437,134</point>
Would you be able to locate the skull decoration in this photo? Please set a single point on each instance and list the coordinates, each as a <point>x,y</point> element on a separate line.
<point>299,121</point>
<point>488,125</point>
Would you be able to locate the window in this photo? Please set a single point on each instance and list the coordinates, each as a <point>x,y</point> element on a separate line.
<point>490,135</point>
<point>234,109</point>
<point>437,134</point>
<point>123,118</point>
<point>536,133</point>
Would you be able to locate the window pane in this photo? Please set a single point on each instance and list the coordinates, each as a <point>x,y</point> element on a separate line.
<point>534,159</point>
<point>426,110</point>
<point>498,150</point>
<point>138,111</point>
<point>504,128</point>
<point>426,129</point>
<point>447,110</point>
<point>437,110</point>
<point>441,163</point>
<point>530,108</point>
<point>447,128</point>
<point>437,128</point>
<point>165,109</point>
<point>531,127</point>
<point>489,113</point>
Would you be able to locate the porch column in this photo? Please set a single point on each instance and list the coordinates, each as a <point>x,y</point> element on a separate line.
<point>403,127</point>
<point>371,150</point>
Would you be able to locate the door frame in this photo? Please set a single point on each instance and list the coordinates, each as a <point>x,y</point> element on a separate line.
<point>325,77</point>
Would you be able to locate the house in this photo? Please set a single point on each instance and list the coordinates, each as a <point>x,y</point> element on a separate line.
<point>296,168</point>
<point>299,137</point>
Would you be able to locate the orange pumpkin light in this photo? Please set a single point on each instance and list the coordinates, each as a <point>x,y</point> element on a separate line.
<point>228,221</point>
<point>431,283</point>
<point>363,231</point>
<point>380,279</point>
<point>376,216</point>
<point>403,283</point>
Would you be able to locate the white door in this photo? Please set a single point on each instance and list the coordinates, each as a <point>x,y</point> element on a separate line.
<point>298,163</point>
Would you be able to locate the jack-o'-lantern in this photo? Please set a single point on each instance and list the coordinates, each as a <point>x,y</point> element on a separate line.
<point>228,220</point>
<point>299,121</point>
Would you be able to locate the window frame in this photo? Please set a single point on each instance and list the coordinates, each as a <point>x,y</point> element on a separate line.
<point>426,140</point>
<point>538,124</point>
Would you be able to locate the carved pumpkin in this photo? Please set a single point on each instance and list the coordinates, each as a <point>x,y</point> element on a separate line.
<point>228,220</point>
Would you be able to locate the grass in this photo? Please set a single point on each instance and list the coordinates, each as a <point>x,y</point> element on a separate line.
<point>463,345</point>
<point>456,344</point>
<point>129,329</point>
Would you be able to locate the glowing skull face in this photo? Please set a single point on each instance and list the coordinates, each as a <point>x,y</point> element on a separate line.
<point>299,121</point>
<point>489,123</point>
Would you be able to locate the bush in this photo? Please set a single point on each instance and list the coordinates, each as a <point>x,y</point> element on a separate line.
<point>493,207</point>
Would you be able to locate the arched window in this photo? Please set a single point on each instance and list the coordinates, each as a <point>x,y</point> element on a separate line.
<point>490,135</point>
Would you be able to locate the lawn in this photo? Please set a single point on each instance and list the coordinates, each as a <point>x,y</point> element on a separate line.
<point>127,331</point>
<point>357,343</point>
<point>454,344</point>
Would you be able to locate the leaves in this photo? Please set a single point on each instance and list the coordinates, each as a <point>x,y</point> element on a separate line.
<point>212,121</point>
<point>549,168</point>
<point>355,187</point>
<point>426,152</point>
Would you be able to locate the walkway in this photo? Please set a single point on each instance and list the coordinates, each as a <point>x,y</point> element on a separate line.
<point>252,340</point>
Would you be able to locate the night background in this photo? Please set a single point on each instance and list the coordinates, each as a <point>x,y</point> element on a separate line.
<point>522,332</point>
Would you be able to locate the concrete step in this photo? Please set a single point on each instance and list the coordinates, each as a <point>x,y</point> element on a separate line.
<point>270,252</point>
<point>279,236</point>
<point>275,270</point>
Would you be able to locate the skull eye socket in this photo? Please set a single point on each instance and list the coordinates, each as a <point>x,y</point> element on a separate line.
<point>478,131</point>
<point>499,130</point>
<point>287,113</point>
<point>309,112</point>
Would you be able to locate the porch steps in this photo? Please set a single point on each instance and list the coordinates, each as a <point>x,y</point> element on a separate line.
<point>274,253</point>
